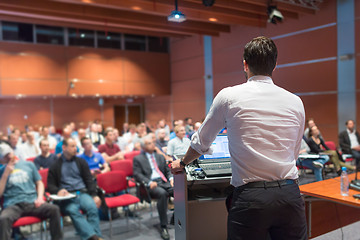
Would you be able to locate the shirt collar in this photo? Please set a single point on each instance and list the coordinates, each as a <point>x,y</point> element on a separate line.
<point>64,158</point>
<point>261,78</point>
<point>350,132</point>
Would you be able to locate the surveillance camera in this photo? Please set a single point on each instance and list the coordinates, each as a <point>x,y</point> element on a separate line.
<point>275,15</point>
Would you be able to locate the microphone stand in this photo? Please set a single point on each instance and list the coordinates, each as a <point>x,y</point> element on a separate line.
<point>355,184</point>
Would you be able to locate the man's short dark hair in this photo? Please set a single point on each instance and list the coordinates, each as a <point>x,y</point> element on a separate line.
<point>66,141</point>
<point>261,55</point>
<point>41,141</point>
<point>84,139</point>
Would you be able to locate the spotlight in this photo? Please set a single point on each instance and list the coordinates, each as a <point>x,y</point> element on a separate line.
<point>274,15</point>
<point>208,3</point>
<point>176,15</point>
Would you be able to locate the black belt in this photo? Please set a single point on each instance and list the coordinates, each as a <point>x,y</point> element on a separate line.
<point>265,184</point>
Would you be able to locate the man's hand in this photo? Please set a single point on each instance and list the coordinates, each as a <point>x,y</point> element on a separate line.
<point>38,202</point>
<point>176,168</point>
<point>97,201</point>
<point>62,192</point>
<point>172,182</point>
<point>9,167</point>
<point>153,185</point>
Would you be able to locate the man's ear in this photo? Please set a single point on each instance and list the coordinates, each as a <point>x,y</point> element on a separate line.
<point>246,66</point>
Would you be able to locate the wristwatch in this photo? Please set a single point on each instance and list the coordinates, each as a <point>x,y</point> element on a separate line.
<point>182,163</point>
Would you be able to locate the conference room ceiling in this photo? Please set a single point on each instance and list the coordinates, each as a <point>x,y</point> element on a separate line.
<point>149,17</point>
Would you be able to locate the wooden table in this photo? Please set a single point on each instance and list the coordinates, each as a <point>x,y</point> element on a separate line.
<point>326,208</point>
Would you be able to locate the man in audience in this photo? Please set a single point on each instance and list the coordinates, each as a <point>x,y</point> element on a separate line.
<point>66,134</point>
<point>52,132</point>
<point>45,159</point>
<point>162,125</point>
<point>349,141</point>
<point>197,125</point>
<point>80,135</point>
<point>71,174</point>
<point>45,135</point>
<point>95,160</point>
<point>189,128</point>
<point>110,151</point>
<point>180,144</point>
<point>130,137</point>
<point>95,136</point>
<point>13,140</point>
<point>161,143</point>
<point>315,164</point>
<point>30,149</point>
<point>151,168</point>
<point>22,191</point>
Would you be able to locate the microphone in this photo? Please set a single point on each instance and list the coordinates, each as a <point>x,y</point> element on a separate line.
<point>355,184</point>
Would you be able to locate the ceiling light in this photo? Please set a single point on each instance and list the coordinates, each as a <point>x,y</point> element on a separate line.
<point>136,8</point>
<point>82,35</point>
<point>274,15</point>
<point>176,15</point>
<point>100,80</point>
<point>213,19</point>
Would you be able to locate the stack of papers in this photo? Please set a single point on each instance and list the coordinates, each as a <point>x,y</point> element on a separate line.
<point>57,198</point>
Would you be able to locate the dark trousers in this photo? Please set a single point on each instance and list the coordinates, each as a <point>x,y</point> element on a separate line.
<point>356,155</point>
<point>10,214</point>
<point>162,193</point>
<point>257,213</point>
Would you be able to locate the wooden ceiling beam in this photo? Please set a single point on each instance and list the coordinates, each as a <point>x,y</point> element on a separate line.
<point>91,26</point>
<point>193,11</point>
<point>110,15</point>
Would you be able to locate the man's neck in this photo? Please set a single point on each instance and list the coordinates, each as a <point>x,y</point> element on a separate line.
<point>88,153</point>
<point>67,156</point>
<point>45,154</point>
<point>109,143</point>
<point>350,130</point>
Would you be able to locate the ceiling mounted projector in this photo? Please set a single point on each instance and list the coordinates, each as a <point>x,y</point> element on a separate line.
<point>176,16</point>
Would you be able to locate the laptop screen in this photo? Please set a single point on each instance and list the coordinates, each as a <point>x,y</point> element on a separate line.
<point>220,149</point>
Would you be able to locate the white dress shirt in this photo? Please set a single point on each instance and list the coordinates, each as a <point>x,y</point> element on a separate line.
<point>265,125</point>
<point>353,139</point>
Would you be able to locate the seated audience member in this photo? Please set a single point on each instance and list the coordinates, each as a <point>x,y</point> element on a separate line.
<point>149,127</point>
<point>22,191</point>
<point>45,159</point>
<point>22,138</point>
<point>95,136</point>
<point>130,137</point>
<point>81,133</point>
<point>349,141</point>
<point>95,160</point>
<point>125,128</point>
<point>197,125</point>
<point>162,125</point>
<point>71,174</point>
<point>13,140</point>
<point>30,149</point>
<point>110,151</point>
<point>45,135</point>
<point>151,168</point>
<point>52,132</point>
<point>315,142</point>
<point>316,164</point>
<point>189,128</point>
<point>161,143</point>
<point>310,123</point>
<point>74,133</point>
<point>175,124</point>
<point>66,134</point>
<point>180,144</point>
<point>118,140</point>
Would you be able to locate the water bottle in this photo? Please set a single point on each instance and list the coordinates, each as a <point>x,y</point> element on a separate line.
<point>344,187</point>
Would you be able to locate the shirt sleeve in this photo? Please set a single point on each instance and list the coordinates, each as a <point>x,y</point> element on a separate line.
<point>215,121</point>
<point>36,176</point>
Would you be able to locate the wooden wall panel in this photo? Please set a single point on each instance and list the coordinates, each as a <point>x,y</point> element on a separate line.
<point>313,77</point>
<point>187,69</point>
<point>191,90</point>
<point>186,48</point>
<point>194,109</point>
<point>324,111</point>
<point>302,47</point>
<point>158,108</point>
<point>20,61</point>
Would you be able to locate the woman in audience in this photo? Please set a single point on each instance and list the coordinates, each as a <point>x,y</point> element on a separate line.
<point>315,142</point>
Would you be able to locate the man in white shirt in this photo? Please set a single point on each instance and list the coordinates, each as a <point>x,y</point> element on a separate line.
<point>349,141</point>
<point>265,125</point>
<point>45,135</point>
<point>180,144</point>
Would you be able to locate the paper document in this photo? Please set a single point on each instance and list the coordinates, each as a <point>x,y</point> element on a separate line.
<point>56,197</point>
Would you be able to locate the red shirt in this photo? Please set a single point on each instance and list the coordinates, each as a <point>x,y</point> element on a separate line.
<point>109,150</point>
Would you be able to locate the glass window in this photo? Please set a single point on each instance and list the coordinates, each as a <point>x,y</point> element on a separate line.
<point>17,31</point>
<point>52,35</point>
<point>81,37</point>
<point>158,44</point>
<point>135,42</point>
<point>109,40</point>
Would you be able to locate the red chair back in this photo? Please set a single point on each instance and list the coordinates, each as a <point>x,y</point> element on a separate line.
<point>112,182</point>
<point>331,145</point>
<point>122,165</point>
<point>44,175</point>
<point>31,159</point>
<point>131,155</point>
